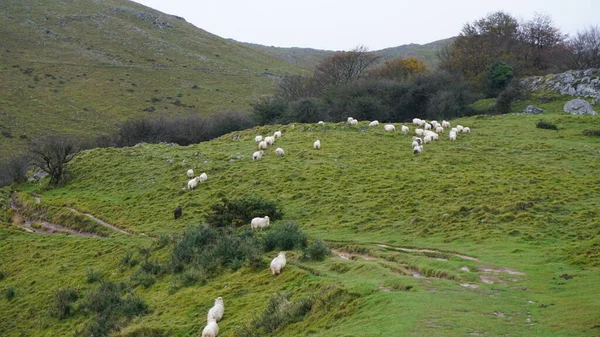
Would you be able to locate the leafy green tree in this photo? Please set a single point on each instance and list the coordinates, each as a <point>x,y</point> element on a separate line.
<point>498,78</point>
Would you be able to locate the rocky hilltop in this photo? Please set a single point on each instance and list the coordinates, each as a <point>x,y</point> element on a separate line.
<point>580,83</point>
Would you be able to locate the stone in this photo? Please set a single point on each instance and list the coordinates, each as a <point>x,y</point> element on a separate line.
<point>530,109</point>
<point>596,101</point>
<point>579,107</point>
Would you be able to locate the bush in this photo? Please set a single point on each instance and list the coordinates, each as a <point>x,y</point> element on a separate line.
<point>15,170</point>
<point>317,250</point>
<point>142,278</point>
<point>63,302</point>
<point>239,212</point>
<point>589,132</point>
<point>269,111</point>
<point>511,93</point>
<point>285,236</point>
<point>545,125</point>
<point>307,110</point>
<point>52,154</point>
<point>9,293</point>
<point>498,77</point>
<point>92,275</point>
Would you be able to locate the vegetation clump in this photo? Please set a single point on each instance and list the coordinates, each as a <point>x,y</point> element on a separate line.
<point>546,125</point>
<point>239,212</point>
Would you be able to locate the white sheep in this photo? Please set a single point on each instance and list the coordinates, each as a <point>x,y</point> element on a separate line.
<point>211,329</point>
<point>404,129</point>
<point>258,139</point>
<point>354,122</point>
<point>389,127</point>
<point>317,144</point>
<point>419,132</point>
<point>452,136</point>
<point>279,151</point>
<point>190,173</point>
<point>414,143</point>
<point>418,149</point>
<point>263,145</point>
<point>192,183</point>
<point>427,139</point>
<point>278,263</point>
<point>203,177</point>
<point>270,140</point>
<point>459,128</point>
<point>445,124</point>
<point>260,222</point>
<point>257,155</point>
<point>455,130</point>
<point>466,129</point>
<point>321,123</point>
<point>418,140</point>
<point>427,126</point>
<point>439,129</point>
<point>349,120</point>
<point>217,311</point>
<point>374,123</point>
<point>434,124</point>
<point>277,134</point>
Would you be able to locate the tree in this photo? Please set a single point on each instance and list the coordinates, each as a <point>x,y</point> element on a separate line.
<point>540,37</point>
<point>585,49</point>
<point>499,75</point>
<point>399,69</point>
<point>52,154</point>
<point>295,87</point>
<point>345,67</point>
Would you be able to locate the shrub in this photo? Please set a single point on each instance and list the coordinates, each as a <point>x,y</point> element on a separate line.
<point>511,93</point>
<point>498,77</point>
<point>15,170</point>
<point>306,110</point>
<point>269,111</point>
<point>93,275</point>
<point>589,132</point>
<point>285,236</point>
<point>63,302</point>
<point>545,125</point>
<point>2,275</point>
<point>239,212</point>
<point>161,241</point>
<point>52,154</point>
<point>142,278</point>
<point>9,293</point>
<point>317,250</point>
<point>192,276</point>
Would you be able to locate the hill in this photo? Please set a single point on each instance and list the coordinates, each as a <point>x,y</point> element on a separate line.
<point>494,234</point>
<point>81,67</point>
<point>309,58</point>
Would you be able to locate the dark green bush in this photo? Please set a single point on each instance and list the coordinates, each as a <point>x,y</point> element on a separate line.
<point>546,125</point>
<point>239,212</point>
<point>9,293</point>
<point>286,236</point>
<point>63,302</point>
<point>306,110</point>
<point>269,111</point>
<point>512,92</point>
<point>142,278</point>
<point>93,275</point>
<point>317,250</point>
<point>590,132</point>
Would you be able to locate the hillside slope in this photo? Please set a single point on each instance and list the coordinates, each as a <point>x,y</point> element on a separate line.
<point>82,67</point>
<point>494,234</point>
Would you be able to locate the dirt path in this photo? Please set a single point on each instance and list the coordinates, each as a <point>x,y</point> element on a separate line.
<point>105,224</point>
<point>413,250</point>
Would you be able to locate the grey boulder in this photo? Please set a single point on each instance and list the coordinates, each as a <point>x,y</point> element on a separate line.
<point>579,107</point>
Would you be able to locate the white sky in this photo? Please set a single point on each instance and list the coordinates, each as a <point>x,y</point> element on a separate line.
<point>376,24</point>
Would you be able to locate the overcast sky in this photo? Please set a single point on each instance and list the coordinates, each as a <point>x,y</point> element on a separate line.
<point>376,24</point>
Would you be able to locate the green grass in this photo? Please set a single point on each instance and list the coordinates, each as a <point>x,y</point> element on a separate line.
<point>510,194</point>
<point>83,67</point>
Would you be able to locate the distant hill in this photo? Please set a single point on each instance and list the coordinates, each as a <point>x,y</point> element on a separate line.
<point>82,67</point>
<point>310,58</point>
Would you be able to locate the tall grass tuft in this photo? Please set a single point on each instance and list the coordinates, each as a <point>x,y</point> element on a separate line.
<point>545,125</point>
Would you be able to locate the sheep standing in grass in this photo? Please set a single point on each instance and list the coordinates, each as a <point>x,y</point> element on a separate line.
<point>277,134</point>
<point>452,136</point>
<point>317,144</point>
<point>419,132</point>
<point>192,183</point>
<point>418,149</point>
<point>257,155</point>
<point>427,126</point>
<point>354,122</point>
<point>459,128</point>
<point>263,145</point>
<point>374,123</point>
<point>190,173</point>
<point>321,123</point>
<point>211,329</point>
<point>279,151</point>
<point>416,121</point>
<point>257,223</point>
<point>439,129</point>
<point>466,129</point>
<point>389,127</point>
<point>203,177</point>
<point>427,139</point>
<point>445,124</point>
<point>270,140</point>
<point>217,311</point>
<point>258,139</point>
<point>349,120</point>
<point>278,263</point>
<point>404,129</point>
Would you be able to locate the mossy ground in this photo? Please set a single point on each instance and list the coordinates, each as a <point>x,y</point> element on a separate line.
<point>510,194</point>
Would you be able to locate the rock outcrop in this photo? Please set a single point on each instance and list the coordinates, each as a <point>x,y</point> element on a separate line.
<point>580,83</point>
<point>579,107</point>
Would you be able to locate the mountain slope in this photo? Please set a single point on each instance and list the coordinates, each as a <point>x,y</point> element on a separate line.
<point>83,66</point>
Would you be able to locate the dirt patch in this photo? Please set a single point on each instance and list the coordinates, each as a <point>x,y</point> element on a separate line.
<point>49,228</point>
<point>105,224</point>
<point>386,289</point>
<point>469,285</point>
<point>489,280</point>
<point>465,268</point>
<point>502,270</point>
<point>431,251</point>
<point>347,256</point>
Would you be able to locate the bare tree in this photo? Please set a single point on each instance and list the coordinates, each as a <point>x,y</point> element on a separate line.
<point>540,36</point>
<point>585,49</point>
<point>345,67</point>
<point>52,154</point>
<point>294,87</point>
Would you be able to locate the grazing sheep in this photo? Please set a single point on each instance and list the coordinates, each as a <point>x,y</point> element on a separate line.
<point>374,123</point>
<point>419,132</point>
<point>452,136</point>
<point>434,124</point>
<point>257,155</point>
<point>190,173</point>
<point>418,149</point>
<point>455,130</point>
<point>427,139</point>
<point>418,140</point>
<point>192,183</point>
<point>445,124</point>
<point>211,329</point>
<point>270,140</point>
<point>258,139</point>
<point>279,151</point>
<point>389,128</point>
<point>414,143</point>
<point>434,136</point>
<point>203,177</point>
<point>439,129</point>
<point>278,263</point>
<point>427,126</point>
<point>466,129</point>
<point>404,129</point>
<point>178,212</point>
<point>217,311</point>
<point>317,144</point>
<point>354,122</point>
<point>349,120</point>
<point>260,222</point>
<point>459,128</point>
<point>277,134</point>
<point>321,123</point>
<point>263,145</point>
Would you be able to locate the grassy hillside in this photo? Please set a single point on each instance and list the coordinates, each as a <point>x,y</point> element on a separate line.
<point>494,234</point>
<point>82,67</point>
<point>310,58</point>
